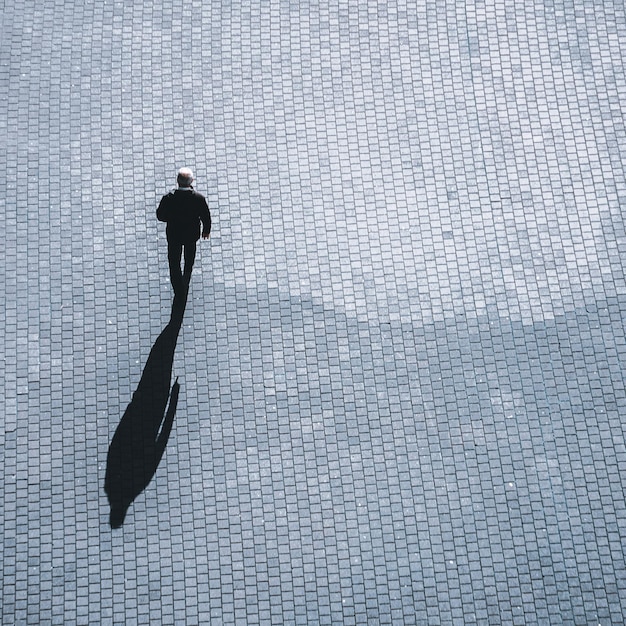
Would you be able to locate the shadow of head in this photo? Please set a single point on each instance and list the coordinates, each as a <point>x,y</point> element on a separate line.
<point>117,516</point>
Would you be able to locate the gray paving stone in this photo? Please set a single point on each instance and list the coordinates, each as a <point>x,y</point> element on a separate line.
<point>401,363</point>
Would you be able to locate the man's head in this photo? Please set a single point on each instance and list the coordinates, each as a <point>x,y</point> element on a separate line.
<point>185,177</point>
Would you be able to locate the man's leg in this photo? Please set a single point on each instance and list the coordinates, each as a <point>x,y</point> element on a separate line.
<point>190,257</point>
<point>174,253</point>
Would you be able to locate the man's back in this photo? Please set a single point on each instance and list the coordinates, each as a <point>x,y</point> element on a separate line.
<point>184,210</point>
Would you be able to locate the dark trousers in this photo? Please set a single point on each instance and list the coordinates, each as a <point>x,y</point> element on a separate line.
<point>180,279</point>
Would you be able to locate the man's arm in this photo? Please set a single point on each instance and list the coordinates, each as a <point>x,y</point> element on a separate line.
<point>163,212</point>
<point>205,218</point>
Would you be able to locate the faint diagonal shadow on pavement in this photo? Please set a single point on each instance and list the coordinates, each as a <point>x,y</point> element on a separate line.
<point>142,434</point>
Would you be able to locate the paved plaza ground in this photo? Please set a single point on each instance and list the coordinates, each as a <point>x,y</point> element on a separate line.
<point>401,369</point>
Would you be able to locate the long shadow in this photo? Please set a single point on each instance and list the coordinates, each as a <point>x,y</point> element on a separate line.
<point>143,432</point>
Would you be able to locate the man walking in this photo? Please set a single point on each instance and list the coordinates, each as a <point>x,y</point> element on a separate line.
<point>185,211</point>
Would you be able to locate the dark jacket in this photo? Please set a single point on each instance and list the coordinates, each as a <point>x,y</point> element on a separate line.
<point>184,211</point>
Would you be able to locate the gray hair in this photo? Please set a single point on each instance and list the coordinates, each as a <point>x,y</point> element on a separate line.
<point>185,177</point>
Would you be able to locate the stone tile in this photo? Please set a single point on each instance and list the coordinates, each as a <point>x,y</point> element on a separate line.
<point>400,365</point>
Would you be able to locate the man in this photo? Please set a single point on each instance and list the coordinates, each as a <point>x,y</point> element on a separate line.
<point>184,210</point>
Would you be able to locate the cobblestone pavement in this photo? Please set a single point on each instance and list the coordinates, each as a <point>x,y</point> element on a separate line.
<point>402,362</point>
